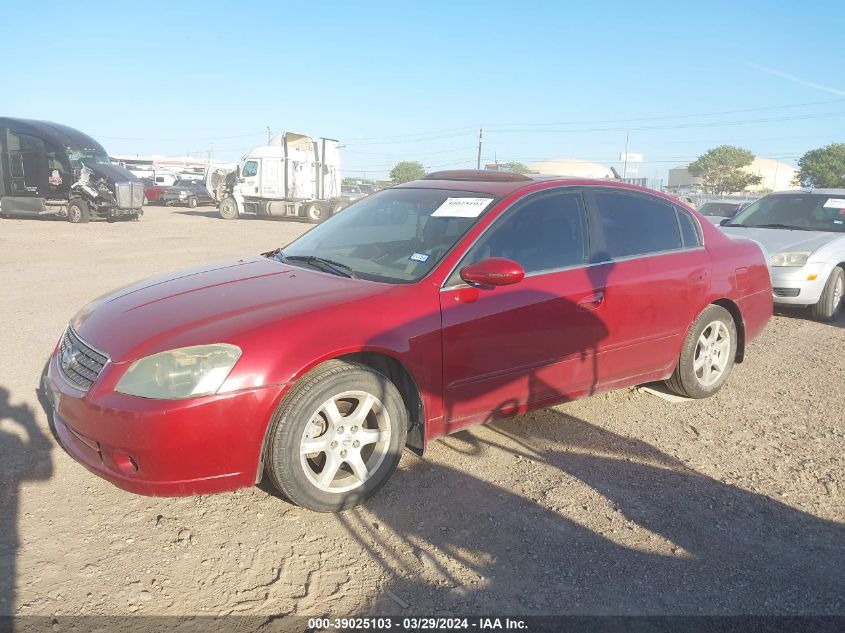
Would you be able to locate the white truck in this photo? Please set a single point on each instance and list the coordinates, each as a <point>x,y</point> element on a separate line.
<point>293,176</point>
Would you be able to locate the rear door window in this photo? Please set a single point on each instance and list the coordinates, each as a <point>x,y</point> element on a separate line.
<point>630,224</point>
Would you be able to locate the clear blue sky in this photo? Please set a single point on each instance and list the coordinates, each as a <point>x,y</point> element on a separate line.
<point>396,80</point>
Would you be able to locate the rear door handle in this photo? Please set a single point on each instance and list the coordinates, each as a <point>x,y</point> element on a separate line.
<point>591,302</point>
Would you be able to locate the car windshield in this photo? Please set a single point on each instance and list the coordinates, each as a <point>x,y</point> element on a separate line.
<point>394,236</point>
<point>804,211</point>
<point>719,209</point>
<point>349,189</point>
<point>88,157</point>
<point>184,183</point>
<point>365,188</point>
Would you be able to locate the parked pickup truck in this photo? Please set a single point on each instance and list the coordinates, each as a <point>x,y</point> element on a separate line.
<point>187,192</point>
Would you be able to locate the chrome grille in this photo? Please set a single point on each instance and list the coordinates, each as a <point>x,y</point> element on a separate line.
<point>129,195</point>
<point>79,362</point>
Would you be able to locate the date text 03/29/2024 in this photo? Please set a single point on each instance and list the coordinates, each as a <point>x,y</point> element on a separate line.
<point>417,623</point>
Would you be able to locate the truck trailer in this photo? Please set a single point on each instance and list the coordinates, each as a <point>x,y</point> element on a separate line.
<point>51,169</point>
<point>293,176</point>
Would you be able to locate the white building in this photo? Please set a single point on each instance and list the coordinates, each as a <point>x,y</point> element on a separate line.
<point>572,168</point>
<point>776,176</point>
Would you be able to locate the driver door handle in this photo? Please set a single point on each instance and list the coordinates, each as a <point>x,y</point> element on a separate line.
<point>591,302</point>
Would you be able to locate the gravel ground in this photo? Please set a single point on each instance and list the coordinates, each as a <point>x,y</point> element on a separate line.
<point>623,503</point>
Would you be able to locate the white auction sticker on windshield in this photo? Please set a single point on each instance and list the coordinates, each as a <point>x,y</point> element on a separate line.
<point>835,203</point>
<point>462,208</point>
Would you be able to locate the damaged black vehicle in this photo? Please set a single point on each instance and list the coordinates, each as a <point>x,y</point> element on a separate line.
<point>51,169</point>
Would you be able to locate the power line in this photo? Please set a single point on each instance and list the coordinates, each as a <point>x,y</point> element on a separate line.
<point>688,116</point>
<point>180,140</point>
<point>675,127</point>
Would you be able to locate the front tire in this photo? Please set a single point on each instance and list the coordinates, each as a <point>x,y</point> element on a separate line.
<point>315,213</point>
<point>831,300</point>
<point>707,356</point>
<point>228,209</point>
<point>337,437</point>
<point>192,202</point>
<point>78,211</point>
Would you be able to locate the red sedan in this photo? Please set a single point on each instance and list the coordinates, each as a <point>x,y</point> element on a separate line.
<point>416,312</point>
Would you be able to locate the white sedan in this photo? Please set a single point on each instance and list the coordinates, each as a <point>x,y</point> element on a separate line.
<point>803,236</point>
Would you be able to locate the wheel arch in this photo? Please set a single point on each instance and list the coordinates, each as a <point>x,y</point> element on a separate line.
<point>408,388</point>
<point>380,361</point>
<point>736,313</point>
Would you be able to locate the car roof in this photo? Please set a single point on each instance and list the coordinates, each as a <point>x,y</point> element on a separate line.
<point>499,183</point>
<point>806,190</point>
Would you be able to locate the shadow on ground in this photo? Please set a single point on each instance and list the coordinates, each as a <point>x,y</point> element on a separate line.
<point>675,541</point>
<point>24,457</point>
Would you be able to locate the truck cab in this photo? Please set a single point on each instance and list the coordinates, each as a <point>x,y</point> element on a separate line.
<point>51,169</point>
<point>293,176</point>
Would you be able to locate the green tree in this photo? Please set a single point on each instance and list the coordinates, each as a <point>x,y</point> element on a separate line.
<point>720,169</point>
<point>516,167</point>
<point>406,171</point>
<point>823,167</point>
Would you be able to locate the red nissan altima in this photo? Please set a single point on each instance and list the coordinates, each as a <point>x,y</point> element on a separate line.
<point>416,312</point>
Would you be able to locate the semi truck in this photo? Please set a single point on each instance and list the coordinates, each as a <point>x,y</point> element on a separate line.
<point>293,176</point>
<point>51,169</point>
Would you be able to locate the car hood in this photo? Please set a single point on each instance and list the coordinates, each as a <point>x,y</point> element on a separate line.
<point>776,241</point>
<point>210,304</point>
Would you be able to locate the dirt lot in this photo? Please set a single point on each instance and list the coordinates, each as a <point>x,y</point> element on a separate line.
<point>622,503</point>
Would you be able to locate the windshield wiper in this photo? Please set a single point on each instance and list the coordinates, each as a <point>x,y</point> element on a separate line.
<point>318,262</point>
<point>775,226</point>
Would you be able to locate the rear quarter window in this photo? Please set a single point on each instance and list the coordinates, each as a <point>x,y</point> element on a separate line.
<point>689,229</point>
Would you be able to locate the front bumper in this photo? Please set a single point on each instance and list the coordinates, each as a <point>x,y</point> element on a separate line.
<point>792,286</point>
<point>118,212</point>
<point>163,448</point>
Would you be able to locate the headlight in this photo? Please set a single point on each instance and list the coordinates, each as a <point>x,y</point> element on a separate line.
<point>183,194</point>
<point>789,259</point>
<point>188,372</point>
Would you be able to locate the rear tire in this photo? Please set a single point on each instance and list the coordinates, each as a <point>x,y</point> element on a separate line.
<point>228,209</point>
<point>78,211</point>
<point>355,423</point>
<point>707,356</point>
<point>315,213</point>
<point>831,300</point>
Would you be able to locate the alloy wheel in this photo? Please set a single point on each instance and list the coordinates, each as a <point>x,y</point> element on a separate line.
<point>711,353</point>
<point>345,442</point>
<point>838,291</point>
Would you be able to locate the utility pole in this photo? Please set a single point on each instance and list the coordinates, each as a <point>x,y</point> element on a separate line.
<point>625,162</point>
<point>478,161</point>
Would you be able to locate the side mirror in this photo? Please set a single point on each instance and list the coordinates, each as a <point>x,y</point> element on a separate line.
<point>493,271</point>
